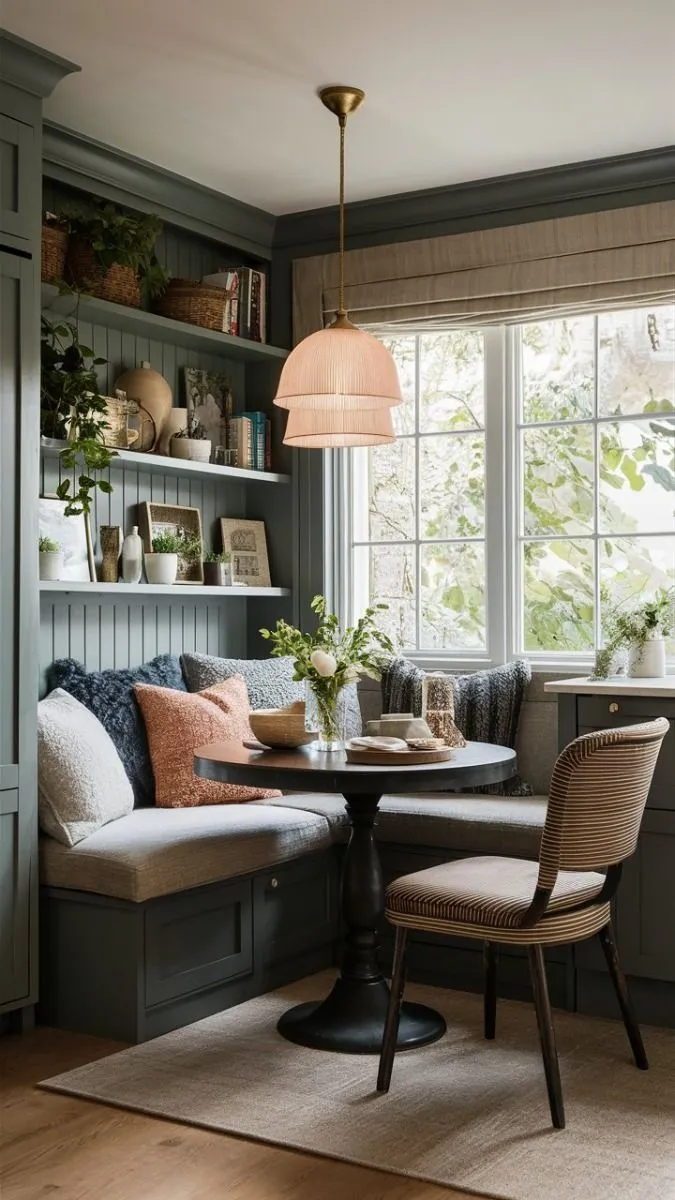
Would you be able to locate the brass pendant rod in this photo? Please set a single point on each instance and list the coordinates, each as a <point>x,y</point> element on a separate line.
<point>341,295</point>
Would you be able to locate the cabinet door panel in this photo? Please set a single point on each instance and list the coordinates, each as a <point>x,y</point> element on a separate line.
<point>594,713</point>
<point>645,906</point>
<point>18,202</point>
<point>14,904</point>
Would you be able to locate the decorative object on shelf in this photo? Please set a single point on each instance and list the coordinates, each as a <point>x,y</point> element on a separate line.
<point>641,631</point>
<point>132,557</point>
<point>281,728</point>
<point>154,397</point>
<point>54,247</point>
<point>118,434</point>
<point>337,374</point>
<point>193,302</point>
<point>217,570</point>
<point>209,401</point>
<point>192,443</point>
<point>50,559</point>
<point>438,708</point>
<point>110,539</point>
<point>161,562</point>
<point>69,533</point>
<point>182,523</point>
<point>246,544</point>
<point>176,422</point>
<point>328,661</point>
<point>245,313</point>
<point>111,254</point>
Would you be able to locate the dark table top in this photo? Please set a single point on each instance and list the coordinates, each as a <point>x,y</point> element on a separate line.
<point>308,770</point>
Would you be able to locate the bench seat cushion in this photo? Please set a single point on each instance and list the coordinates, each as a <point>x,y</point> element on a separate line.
<point>506,825</point>
<point>154,851</point>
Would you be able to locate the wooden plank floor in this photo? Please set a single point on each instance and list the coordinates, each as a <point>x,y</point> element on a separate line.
<point>60,1147</point>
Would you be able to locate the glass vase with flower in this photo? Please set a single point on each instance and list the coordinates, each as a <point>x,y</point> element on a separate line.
<point>328,660</point>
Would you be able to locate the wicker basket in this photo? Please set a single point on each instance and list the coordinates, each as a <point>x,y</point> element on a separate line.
<point>281,728</point>
<point>54,247</point>
<point>195,303</point>
<point>118,284</point>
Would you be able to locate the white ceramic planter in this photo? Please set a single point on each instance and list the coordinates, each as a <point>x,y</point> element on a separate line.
<point>161,568</point>
<point>194,449</point>
<point>648,661</point>
<point>51,565</point>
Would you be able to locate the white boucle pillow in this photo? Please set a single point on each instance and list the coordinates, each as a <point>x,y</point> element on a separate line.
<point>82,783</point>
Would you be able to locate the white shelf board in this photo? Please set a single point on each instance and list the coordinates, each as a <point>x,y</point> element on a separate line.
<point>148,590</point>
<point>128,460</point>
<point>156,328</point>
<point>615,685</point>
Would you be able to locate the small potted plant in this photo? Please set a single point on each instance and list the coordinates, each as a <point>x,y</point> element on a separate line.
<point>217,569</point>
<point>161,566</point>
<point>192,443</point>
<point>50,559</point>
<point>111,254</point>
<point>641,631</point>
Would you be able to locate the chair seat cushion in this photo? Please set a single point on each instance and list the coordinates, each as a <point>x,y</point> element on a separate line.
<point>448,821</point>
<point>154,851</point>
<point>487,898</point>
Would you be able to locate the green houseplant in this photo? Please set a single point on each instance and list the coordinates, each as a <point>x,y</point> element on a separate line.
<point>641,631</point>
<point>161,564</point>
<point>330,659</point>
<point>192,443</point>
<point>111,254</point>
<point>50,559</point>
<point>217,571</point>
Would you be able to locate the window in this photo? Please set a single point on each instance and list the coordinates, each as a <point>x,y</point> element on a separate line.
<point>531,486</point>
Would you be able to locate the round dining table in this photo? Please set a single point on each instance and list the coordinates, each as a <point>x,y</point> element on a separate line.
<point>351,1017</point>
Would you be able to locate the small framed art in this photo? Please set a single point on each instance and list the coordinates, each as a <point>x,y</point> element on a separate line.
<point>71,535</point>
<point>246,543</point>
<point>186,524</point>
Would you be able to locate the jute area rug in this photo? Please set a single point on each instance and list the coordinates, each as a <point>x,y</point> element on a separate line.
<point>463,1112</point>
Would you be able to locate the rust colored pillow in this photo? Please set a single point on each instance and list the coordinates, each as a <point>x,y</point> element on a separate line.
<point>176,723</point>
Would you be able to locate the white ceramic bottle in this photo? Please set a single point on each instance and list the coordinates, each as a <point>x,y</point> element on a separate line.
<point>132,557</point>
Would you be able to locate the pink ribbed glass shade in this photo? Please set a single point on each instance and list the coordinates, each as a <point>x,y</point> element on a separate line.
<point>339,368</point>
<point>312,430</point>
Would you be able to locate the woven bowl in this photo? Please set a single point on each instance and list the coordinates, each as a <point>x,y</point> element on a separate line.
<point>281,728</point>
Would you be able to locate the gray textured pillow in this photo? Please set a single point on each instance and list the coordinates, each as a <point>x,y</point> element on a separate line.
<point>269,682</point>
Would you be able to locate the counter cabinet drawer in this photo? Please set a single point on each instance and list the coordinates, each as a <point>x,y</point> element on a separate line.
<point>611,712</point>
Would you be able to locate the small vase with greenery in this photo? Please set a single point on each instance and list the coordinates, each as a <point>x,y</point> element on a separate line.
<point>50,557</point>
<point>217,570</point>
<point>641,631</point>
<point>192,443</point>
<point>112,254</point>
<point>330,659</point>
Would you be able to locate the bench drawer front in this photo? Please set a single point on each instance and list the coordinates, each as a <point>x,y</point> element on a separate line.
<point>196,939</point>
<point>594,713</point>
<point>296,907</point>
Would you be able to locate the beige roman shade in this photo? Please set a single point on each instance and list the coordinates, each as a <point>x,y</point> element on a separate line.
<point>624,257</point>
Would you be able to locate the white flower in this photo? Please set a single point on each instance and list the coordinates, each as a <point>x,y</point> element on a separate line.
<point>324,664</point>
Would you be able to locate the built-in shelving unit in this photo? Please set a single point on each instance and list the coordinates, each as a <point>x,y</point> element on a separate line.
<point>159,329</point>
<point>147,590</point>
<point>128,460</point>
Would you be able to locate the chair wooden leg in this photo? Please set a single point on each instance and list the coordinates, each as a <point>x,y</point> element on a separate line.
<point>490,993</point>
<point>608,944</point>
<point>393,1011</point>
<point>542,1006</point>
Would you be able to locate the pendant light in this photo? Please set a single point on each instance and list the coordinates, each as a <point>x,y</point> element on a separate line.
<point>340,383</point>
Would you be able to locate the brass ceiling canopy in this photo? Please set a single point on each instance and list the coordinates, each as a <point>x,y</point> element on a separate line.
<point>341,100</point>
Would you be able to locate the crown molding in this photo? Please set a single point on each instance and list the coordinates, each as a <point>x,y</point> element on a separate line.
<point>29,67</point>
<point>84,163</point>
<point>529,195</point>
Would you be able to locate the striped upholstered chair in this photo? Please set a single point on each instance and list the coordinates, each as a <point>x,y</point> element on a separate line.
<point>598,793</point>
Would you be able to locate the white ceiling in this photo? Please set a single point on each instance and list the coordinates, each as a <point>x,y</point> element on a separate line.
<point>223,91</point>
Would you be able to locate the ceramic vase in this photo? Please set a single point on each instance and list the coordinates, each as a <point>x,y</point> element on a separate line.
<point>194,449</point>
<point>648,661</point>
<point>175,422</point>
<point>110,538</point>
<point>51,565</point>
<point>152,392</point>
<point>132,557</point>
<point>161,568</point>
<point>217,574</point>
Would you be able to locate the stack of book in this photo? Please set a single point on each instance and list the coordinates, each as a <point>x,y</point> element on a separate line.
<point>245,312</point>
<point>250,435</point>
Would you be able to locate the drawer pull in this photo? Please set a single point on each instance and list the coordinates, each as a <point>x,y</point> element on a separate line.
<point>613,707</point>
<point>274,882</point>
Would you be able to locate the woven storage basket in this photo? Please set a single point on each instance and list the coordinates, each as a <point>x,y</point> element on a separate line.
<point>54,247</point>
<point>195,303</point>
<point>118,284</point>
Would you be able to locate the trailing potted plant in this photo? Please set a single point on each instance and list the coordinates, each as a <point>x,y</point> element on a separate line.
<point>50,559</point>
<point>161,565</point>
<point>642,631</point>
<point>217,569</point>
<point>192,443</point>
<point>111,254</point>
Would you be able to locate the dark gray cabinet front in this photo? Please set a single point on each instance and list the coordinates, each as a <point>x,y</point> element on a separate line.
<point>645,905</point>
<point>19,179</point>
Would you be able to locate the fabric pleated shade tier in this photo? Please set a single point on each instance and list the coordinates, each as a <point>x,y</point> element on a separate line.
<point>337,369</point>
<point>310,429</point>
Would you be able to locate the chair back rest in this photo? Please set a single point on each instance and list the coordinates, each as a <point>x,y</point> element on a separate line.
<point>598,793</point>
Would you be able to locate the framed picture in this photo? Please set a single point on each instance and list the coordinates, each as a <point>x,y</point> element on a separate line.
<point>208,396</point>
<point>184,523</point>
<point>69,532</point>
<point>247,545</point>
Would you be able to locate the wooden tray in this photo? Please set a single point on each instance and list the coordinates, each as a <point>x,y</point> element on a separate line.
<point>397,758</point>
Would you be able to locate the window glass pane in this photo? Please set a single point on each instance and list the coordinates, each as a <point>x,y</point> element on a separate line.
<point>391,493</point>
<point>402,350</point>
<point>633,570</point>
<point>453,597</point>
<point>386,574</point>
<point>558,596</point>
<point>637,476</point>
<point>452,486</point>
<point>557,465</point>
<point>558,369</point>
<point>636,361</point>
<point>451,381</point>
